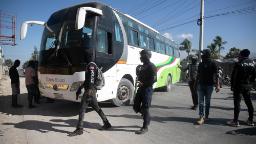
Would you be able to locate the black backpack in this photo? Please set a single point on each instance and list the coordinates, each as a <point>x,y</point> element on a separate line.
<point>100,80</point>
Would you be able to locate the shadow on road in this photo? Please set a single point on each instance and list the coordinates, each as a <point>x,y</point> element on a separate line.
<point>211,121</point>
<point>60,108</point>
<point>168,107</point>
<point>244,131</point>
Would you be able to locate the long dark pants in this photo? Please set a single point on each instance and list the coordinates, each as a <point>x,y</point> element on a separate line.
<point>86,100</point>
<point>15,92</point>
<point>142,103</point>
<point>193,90</point>
<point>247,100</point>
<point>31,93</point>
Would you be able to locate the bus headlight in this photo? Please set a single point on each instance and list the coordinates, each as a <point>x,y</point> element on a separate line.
<point>76,85</point>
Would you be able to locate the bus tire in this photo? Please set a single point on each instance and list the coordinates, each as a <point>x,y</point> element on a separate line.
<point>168,86</point>
<point>124,94</point>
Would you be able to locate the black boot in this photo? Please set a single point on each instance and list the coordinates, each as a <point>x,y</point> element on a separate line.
<point>78,131</point>
<point>106,125</point>
<point>142,130</point>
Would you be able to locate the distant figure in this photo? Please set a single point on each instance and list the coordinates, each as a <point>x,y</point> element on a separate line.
<point>146,78</point>
<point>243,76</point>
<point>15,83</point>
<point>89,97</point>
<point>207,77</point>
<point>37,96</point>
<point>30,80</point>
<point>192,74</point>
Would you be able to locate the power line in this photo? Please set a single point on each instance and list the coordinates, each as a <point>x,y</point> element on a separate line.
<point>247,10</point>
<point>157,3</point>
<point>167,6</point>
<point>224,8</point>
<point>180,5</point>
<point>184,12</point>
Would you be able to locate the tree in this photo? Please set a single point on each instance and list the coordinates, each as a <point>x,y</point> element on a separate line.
<point>35,54</point>
<point>214,51</point>
<point>218,41</point>
<point>233,53</point>
<point>186,46</point>
<point>8,62</point>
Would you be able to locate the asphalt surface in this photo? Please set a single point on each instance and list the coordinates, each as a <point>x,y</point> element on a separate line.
<point>172,121</point>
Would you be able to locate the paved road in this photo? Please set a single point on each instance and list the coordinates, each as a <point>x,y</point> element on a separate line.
<point>172,121</point>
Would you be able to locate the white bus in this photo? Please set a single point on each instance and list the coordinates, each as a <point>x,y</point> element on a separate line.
<point>73,35</point>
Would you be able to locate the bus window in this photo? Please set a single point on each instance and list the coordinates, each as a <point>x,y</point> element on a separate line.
<point>169,50</point>
<point>118,33</point>
<point>151,43</point>
<point>50,43</point>
<point>133,37</point>
<point>143,41</point>
<point>158,46</point>
<point>104,40</point>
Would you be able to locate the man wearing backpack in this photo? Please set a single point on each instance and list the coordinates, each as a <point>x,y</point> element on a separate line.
<point>207,78</point>
<point>243,75</point>
<point>89,97</point>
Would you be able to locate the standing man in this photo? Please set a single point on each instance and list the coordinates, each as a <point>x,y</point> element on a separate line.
<point>207,77</point>
<point>146,78</point>
<point>192,74</point>
<point>30,80</point>
<point>243,76</point>
<point>89,97</point>
<point>15,83</point>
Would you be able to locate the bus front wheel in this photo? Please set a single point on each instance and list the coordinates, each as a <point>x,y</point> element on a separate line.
<point>124,93</point>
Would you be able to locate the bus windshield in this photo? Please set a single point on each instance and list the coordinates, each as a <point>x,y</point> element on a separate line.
<point>62,44</point>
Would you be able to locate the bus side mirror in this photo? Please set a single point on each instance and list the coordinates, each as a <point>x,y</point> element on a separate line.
<point>81,15</point>
<point>24,27</point>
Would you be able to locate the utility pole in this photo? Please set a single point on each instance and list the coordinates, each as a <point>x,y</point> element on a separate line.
<point>200,22</point>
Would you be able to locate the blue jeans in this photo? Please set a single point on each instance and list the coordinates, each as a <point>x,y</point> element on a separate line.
<point>204,94</point>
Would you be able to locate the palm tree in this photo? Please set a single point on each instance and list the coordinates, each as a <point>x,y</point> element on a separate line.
<point>214,51</point>
<point>218,41</point>
<point>186,45</point>
<point>233,53</point>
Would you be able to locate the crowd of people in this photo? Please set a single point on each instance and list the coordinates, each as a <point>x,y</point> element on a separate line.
<point>203,78</point>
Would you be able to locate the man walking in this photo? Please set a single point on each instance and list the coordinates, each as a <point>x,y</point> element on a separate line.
<point>192,74</point>
<point>89,97</point>
<point>207,77</point>
<point>146,78</point>
<point>243,76</point>
<point>15,83</point>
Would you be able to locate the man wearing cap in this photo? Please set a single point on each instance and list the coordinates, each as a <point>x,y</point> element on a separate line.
<point>207,78</point>
<point>243,75</point>
<point>146,79</point>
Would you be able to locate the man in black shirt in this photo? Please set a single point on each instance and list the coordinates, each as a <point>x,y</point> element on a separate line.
<point>15,83</point>
<point>192,74</point>
<point>243,75</point>
<point>89,97</point>
<point>146,78</point>
<point>207,77</point>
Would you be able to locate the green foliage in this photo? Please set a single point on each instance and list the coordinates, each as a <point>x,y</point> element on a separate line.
<point>186,46</point>
<point>216,47</point>
<point>233,53</point>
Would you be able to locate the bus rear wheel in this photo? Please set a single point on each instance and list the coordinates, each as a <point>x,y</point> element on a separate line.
<point>124,93</point>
